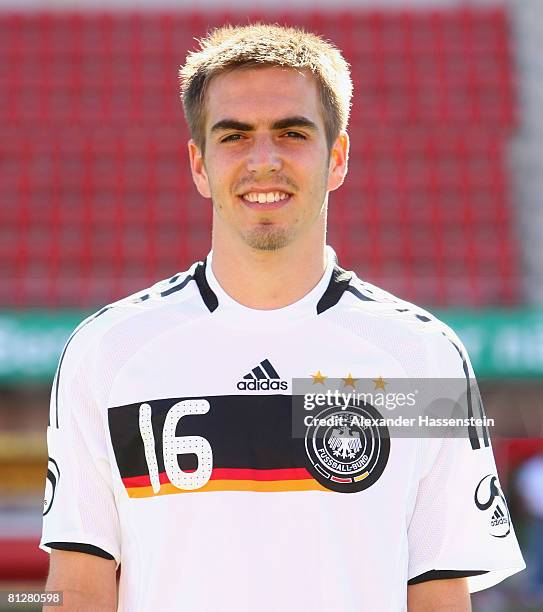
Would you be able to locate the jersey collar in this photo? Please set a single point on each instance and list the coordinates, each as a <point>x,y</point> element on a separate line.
<point>326,293</point>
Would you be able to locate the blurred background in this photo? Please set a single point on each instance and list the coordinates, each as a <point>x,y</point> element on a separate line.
<point>442,206</point>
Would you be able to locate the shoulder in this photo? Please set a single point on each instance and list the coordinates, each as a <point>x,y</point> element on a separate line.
<point>392,315</point>
<point>376,302</point>
<point>145,303</point>
<point>167,302</point>
<point>103,341</point>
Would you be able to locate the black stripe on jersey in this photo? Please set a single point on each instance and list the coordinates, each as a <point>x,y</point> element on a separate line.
<point>89,549</point>
<point>57,379</point>
<point>362,294</point>
<point>472,430</point>
<point>444,575</point>
<point>173,279</point>
<point>482,414</point>
<point>359,294</point>
<point>339,283</point>
<point>208,295</point>
<point>261,426</point>
<point>181,285</point>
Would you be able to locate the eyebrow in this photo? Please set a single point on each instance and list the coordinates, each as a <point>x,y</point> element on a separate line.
<point>280,124</point>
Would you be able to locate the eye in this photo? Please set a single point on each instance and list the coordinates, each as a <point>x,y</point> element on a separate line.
<point>295,135</point>
<point>232,138</point>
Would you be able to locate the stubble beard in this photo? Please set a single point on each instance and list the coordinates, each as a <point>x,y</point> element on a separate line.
<point>268,237</point>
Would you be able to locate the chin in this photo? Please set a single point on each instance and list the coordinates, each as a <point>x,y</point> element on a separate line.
<point>268,238</point>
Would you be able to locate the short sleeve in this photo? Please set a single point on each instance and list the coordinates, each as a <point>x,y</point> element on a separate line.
<point>79,506</point>
<point>461,524</point>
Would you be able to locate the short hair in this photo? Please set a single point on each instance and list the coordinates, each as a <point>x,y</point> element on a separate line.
<point>258,45</point>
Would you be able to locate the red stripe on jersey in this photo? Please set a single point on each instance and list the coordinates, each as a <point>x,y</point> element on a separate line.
<point>253,474</point>
<point>229,474</point>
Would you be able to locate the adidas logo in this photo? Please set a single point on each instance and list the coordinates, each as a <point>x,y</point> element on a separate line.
<point>262,378</point>
<point>498,518</point>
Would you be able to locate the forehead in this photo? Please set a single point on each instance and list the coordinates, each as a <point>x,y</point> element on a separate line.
<point>263,95</point>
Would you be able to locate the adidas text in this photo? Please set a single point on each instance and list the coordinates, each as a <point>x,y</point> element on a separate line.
<point>262,385</point>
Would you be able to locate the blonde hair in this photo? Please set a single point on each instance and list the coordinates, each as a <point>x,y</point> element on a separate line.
<point>229,48</point>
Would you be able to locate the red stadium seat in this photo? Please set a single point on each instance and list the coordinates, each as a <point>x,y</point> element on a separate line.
<point>100,197</point>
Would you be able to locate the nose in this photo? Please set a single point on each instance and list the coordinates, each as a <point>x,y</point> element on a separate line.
<point>263,156</point>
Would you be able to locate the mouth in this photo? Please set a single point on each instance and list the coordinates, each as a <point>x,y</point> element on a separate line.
<point>265,200</point>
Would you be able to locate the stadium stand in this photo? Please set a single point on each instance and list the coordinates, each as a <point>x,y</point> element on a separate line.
<point>527,152</point>
<point>97,196</point>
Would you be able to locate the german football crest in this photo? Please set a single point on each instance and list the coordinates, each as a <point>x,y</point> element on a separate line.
<point>347,450</point>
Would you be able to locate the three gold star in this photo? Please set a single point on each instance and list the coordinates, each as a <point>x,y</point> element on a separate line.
<point>318,378</point>
<point>350,381</point>
<point>380,383</point>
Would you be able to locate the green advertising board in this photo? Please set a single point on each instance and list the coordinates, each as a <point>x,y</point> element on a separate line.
<point>501,343</point>
<point>31,342</point>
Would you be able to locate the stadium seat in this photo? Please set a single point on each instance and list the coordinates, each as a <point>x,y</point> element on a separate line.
<point>96,140</point>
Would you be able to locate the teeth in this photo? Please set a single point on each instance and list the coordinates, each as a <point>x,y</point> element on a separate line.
<point>263,198</point>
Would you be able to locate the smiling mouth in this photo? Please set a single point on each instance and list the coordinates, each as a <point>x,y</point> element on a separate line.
<point>266,197</point>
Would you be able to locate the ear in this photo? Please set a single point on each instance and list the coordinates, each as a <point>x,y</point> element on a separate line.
<point>197,168</point>
<point>339,159</point>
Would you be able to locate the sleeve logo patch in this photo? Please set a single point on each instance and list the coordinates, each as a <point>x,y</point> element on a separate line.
<point>489,498</point>
<point>51,482</point>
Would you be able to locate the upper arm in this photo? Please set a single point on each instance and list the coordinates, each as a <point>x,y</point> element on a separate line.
<point>88,582</point>
<point>439,595</point>
<point>460,522</point>
<point>80,506</point>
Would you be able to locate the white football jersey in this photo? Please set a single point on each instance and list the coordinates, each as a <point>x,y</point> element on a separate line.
<point>171,451</point>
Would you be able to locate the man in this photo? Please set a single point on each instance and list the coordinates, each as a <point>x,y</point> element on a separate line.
<point>171,434</point>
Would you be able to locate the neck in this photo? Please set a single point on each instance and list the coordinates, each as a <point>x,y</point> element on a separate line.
<point>268,279</point>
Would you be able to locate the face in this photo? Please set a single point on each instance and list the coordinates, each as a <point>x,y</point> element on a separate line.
<point>267,167</point>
